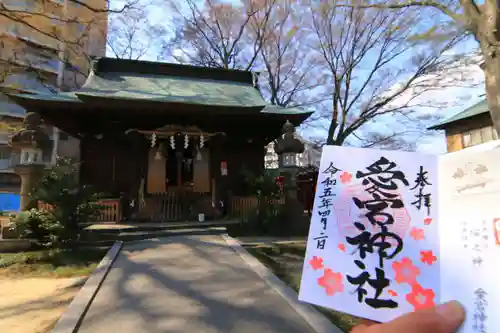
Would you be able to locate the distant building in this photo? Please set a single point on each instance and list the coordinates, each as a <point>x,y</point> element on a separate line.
<point>468,128</point>
<point>310,156</point>
<point>30,61</point>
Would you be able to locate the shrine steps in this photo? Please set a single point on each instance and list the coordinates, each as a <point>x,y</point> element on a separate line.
<point>103,237</point>
<point>155,226</point>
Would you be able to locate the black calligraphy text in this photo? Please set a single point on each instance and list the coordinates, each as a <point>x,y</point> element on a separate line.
<point>381,181</point>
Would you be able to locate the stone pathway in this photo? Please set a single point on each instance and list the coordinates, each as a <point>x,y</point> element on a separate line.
<point>187,284</point>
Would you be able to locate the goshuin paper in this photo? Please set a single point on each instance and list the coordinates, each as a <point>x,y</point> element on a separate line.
<point>393,232</point>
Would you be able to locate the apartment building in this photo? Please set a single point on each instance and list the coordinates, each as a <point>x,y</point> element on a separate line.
<point>35,35</point>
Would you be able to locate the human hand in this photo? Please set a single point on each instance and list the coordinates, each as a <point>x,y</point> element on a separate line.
<point>446,318</point>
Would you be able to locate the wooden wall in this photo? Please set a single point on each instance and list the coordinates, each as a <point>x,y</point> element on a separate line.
<point>455,131</point>
<point>111,167</point>
<point>454,142</point>
<point>239,156</point>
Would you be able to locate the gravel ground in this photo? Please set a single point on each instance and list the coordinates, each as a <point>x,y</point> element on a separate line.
<point>34,305</point>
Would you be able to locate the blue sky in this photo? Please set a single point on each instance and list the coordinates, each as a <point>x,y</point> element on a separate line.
<point>456,98</point>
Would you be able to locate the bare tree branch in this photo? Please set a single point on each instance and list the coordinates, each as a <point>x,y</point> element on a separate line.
<point>217,35</point>
<point>482,19</point>
<point>131,34</point>
<point>373,60</point>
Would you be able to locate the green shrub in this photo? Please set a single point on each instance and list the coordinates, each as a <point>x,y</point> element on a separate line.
<point>267,217</point>
<point>71,204</point>
<point>38,225</point>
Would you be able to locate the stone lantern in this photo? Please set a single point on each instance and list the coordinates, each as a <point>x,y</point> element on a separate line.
<point>287,147</point>
<point>29,143</point>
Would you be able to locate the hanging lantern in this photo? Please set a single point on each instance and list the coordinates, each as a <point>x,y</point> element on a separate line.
<point>153,140</point>
<point>202,141</point>
<point>172,142</point>
<point>186,141</point>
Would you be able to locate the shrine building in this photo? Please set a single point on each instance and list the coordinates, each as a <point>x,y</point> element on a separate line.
<point>171,140</point>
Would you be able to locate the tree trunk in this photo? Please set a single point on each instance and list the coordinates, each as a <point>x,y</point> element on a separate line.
<point>491,68</point>
<point>330,140</point>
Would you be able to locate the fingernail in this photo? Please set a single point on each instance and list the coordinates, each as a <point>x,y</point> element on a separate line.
<point>453,312</point>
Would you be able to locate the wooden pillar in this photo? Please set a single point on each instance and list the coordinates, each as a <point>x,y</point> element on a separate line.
<point>218,146</point>
<point>138,155</point>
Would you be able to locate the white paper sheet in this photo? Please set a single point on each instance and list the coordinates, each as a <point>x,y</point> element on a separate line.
<point>470,235</point>
<point>334,262</point>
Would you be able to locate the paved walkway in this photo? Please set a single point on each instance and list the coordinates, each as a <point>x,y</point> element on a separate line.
<point>187,284</point>
<point>271,240</point>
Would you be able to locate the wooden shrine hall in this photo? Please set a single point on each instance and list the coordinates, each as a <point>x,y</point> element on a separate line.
<point>170,140</point>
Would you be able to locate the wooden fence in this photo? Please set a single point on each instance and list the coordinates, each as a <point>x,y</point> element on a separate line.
<point>110,212</point>
<point>172,205</point>
<point>243,205</point>
<point>169,207</point>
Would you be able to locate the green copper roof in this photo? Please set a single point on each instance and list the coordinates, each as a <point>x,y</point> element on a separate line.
<point>160,89</point>
<point>274,109</point>
<point>475,110</point>
<point>59,97</point>
<point>129,80</point>
<point>172,89</point>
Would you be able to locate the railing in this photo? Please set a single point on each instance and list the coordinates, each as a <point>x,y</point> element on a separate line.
<point>243,205</point>
<point>110,211</point>
<point>22,31</point>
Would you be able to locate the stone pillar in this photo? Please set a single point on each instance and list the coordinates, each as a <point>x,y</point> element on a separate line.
<point>29,143</point>
<point>29,177</point>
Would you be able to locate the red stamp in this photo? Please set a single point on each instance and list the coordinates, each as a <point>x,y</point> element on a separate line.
<point>496,230</point>
<point>346,213</point>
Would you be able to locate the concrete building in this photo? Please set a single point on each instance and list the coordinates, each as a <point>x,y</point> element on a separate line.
<point>468,128</point>
<point>31,50</point>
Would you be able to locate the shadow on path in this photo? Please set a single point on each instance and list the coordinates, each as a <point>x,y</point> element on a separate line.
<point>187,284</point>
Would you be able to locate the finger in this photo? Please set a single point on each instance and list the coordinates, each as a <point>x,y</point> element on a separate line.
<point>359,329</point>
<point>446,318</point>
<point>363,325</point>
<point>367,322</point>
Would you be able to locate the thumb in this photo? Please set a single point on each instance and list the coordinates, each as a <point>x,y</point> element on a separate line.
<point>446,318</point>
